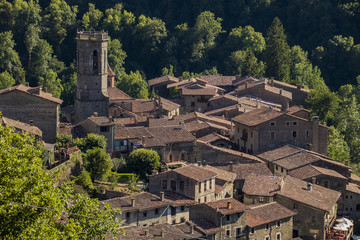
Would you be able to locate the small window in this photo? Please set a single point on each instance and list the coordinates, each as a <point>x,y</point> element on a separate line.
<point>199,187</point>
<point>205,199</point>
<point>295,206</point>
<point>294,123</point>
<point>210,184</point>
<point>227,217</point>
<point>294,134</point>
<point>164,184</point>
<point>156,211</point>
<point>278,223</point>
<point>238,231</point>
<point>181,185</point>
<point>173,185</point>
<point>127,215</point>
<point>182,208</point>
<point>282,170</point>
<point>272,135</point>
<point>104,129</point>
<point>326,184</point>
<point>276,167</point>
<point>227,232</point>
<point>261,199</point>
<point>278,236</point>
<point>350,196</point>
<point>272,123</point>
<point>182,219</point>
<point>182,156</point>
<point>252,230</point>
<point>267,226</point>
<point>144,214</point>
<point>205,183</point>
<point>287,123</point>
<point>307,134</point>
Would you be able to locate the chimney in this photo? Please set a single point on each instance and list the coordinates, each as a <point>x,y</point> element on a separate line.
<point>191,229</point>
<point>246,85</point>
<point>309,186</point>
<point>162,196</point>
<point>284,106</point>
<point>231,166</point>
<point>229,205</point>
<point>132,202</point>
<point>182,125</point>
<point>95,114</point>
<point>315,133</point>
<point>45,89</point>
<point>346,162</point>
<point>31,122</point>
<point>27,84</point>
<point>110,120</point>
<point>143,140</point>
<point>272,82</point>
<point>313,180</point>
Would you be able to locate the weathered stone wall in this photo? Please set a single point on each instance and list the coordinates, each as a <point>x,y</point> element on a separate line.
<point>25,107</point>
<point>285,230</point>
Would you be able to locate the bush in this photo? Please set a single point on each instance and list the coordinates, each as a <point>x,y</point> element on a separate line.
<point>142,162</point>
<point>98,163</point>
<point>84,180</point>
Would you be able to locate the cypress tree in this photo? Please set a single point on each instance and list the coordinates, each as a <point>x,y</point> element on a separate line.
<point>277,52</point>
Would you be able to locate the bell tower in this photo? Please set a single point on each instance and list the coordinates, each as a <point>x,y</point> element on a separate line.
<point>92,74</point>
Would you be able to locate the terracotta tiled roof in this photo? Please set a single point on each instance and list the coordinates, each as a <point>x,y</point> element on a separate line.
<point>204,226</point>
<point>168,105</point>
<point>196,173</point>
<point>139,134</point>
<point>21,126</point>
<point>34,91</point>
<point>163,79</point>
<point>143,105</point>
<point>100,121</point>
<point>354,177</point>
<point>198,90</point>
<point>222,174</point>
<point>213,137</point>
<point>290,86</point>
<point>200,116</point>
<point>171,134</point>
<point>267,213</point>
<point>262,185</point>
<point>352,187</point>
<point>318,197</point>
<point>278,153</point>
<point>176,199</point>
<point>309,171</point>
<point>222,206</point>
<point>244,170</point>
<point>74,130</point>
<point>196,125</point>
<point>158,122</point>
<point>296,160</point>
<point>257,116</point>
<point>219,80</point>
<point>116,94</point>
<point>143,201</point>
<point>244,79</point>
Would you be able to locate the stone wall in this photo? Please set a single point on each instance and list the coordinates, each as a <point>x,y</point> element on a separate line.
<point>271,230</point>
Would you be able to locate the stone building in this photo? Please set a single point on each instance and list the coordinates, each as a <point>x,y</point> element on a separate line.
<point>159,84</point>
<point>270,221</point>
<point>145,209</point>
<point>265,128</point>
<point>21,127</point>
<point>352,201</point>
<point>224,182</point>
<point>228,214</point>
<point>32,105</point>
<point>191,181</point>
<point>316,207</point>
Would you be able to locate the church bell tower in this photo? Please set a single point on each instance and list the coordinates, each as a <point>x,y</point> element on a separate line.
<point>92,73</point>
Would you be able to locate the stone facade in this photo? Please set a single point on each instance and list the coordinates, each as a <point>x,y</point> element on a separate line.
<point>92,75</point>
<point>18,104</point>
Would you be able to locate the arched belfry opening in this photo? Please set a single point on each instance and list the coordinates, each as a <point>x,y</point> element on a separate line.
<point>95,62</point>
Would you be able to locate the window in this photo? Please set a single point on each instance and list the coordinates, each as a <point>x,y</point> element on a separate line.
<point>313,219</point>
<point>193,104</point>
<point>227,232</point>
<point>261,199</point>
<point>358,208</point>
<point>104,129</point>
<point>294,123</point>
<point>307,134</point>
<point>350,196</point>
<point>95,61</point>
<point>295,206</point>
<point>144,214</point>
<point>278,236</point>
<point>282,170</point>
<point>294,134</point>
<point>287,123</point>
<point>182,156</point>
<point>267,226</point>
<point>252,230</point>
<point>245,133</point>
<point>173,211</point>
<point>182,208</point>
<point>181,185</point>
<point>164,184</point>
<point>326,184</point>
<point>171,157</point>
<point>276,167</point>
<point>267,238</point>
<point>272,123</point>
<point>272,135</point>
<point>238,231</point>
<point>227,217</point>
<point>205,199</point>
<point>347,196</point>
<point>278,223</point>
<point>117,145</point>
<point>173,185</point>
<point>251,134</point>
<point>182,219</point>
<point>156,211</point>
<point>199,187</point>
<point>127,215</point>
<point>210,184</point>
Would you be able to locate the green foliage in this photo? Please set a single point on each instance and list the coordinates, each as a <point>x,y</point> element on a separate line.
<point>150,31</point>
<point>63,140</point>
<point>31,39</point>
<point>277,52</point>
<point>245,63</point>
<point>117,20</point>
<point>6,80</point>
<point>32,207</point>
<point>167,71</point>
<point>142,162</point>
<point>188,75</point>
<point>84,180</point>
<point>6,16</point>
<point>246,38</point>
<point>91,19</point>
<point>9,58</point>
<point>337,146</point>
<point>116,58</point>
<point>52,83</point>
<point>134,85</point>
<point>91,141</point>
<point>114,177</point>
<point>98,163</point>
<point>69,82</point>
<point>211,72</point>
<point>132,183</point>
<point>118,164</point>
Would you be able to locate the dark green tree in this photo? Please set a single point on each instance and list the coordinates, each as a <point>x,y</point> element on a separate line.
<point>91,141</point>
<point>31,39</point>
<point>84,180</point>
<point>142,162</point>
<point>91,19</point>
<point>117,58</point>
<point>337,149</point>
<point>98,163</point>
<point>52,83</point>
<point>6,80</point>
<point>134,85</point>
<point>277,52</point>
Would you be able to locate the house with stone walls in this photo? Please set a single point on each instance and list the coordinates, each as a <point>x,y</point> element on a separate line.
<point>21,127</point>
<point>159,84</point>
<point>34,106</point>
<point>265,128</point>
<point>269,221</point>
<point>224,182</point>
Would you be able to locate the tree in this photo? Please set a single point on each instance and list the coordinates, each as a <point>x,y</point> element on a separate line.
<point>91,19</point>
<point>69,81</point>
<point>245,63</point>
<point>31,39</point>
<point>337,149</point>
<point>32,207</point>
<point>6,80</point>
<point>84,180</point>
<point>134,85</point>
<point>6,16</point>
<point>167,71</point>
<point>52,83</point>
<point>246,38</point>
<point>41,59</point>
<point>9,58</point>
<point>91,141</point>
<point>98,164</point>
<point>59,18</point>
<point>277,52</point>
<point>142,162</point>
<point>117,58</point>
<point>117,20</point>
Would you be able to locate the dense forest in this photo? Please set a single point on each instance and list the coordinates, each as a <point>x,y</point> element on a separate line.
<point>309,42</point>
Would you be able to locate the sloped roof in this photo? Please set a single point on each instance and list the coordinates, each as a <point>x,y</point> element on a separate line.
<point>262,185</point>
<point>222,174</point>
<point>219,80</point>
<point>163,79</point>
<point>309,171</point>
<point>21,126</point>
<point>267,213</point>
<point>213,137</point>
<point>352,187</point>
<point>244,170</point>
<point>318,197</point>
<point>257,116</point>
<point>196,173</point>
<point>168,105</point>
<point>222,206</point>
<point>34,91</point>
<point>170,134</point>
<point>116,94</point>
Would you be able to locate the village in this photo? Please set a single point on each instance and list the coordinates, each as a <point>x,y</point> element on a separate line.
<point>240,157</point>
